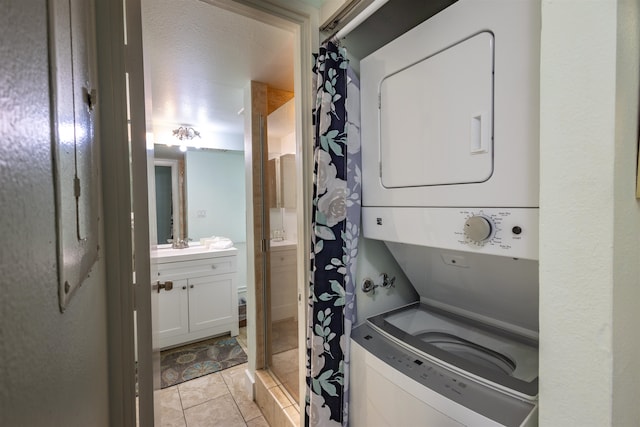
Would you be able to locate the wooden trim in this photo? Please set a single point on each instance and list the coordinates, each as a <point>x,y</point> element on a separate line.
<point>259,153</point>
<point>182,200</point>
<point>276,98</point>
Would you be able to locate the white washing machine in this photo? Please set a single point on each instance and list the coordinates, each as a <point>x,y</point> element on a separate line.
<point>421,366</point>
<point>466,354</point>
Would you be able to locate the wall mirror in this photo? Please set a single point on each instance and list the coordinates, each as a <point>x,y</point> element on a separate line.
<point>281,171</point>
<point>169,205</point>
<point>206,194</point>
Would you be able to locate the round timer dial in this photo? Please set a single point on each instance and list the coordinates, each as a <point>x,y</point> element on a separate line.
<point>478,228</point>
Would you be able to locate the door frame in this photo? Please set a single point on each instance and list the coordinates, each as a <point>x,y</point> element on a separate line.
<point>113,130</point>
<point>117,59</point>
<point>114,60</point>
<point>303,21</point>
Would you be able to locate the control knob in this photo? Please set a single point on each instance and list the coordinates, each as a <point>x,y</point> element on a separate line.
<point>478,228</point>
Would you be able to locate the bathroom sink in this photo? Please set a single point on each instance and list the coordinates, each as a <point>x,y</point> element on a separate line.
<point>166,253</point>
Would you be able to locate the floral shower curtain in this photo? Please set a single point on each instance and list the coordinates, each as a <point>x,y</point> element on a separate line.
<point>334,242</point>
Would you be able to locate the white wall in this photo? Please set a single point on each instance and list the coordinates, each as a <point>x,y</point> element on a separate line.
<point>329,7</point>
<point>589,217</point>
<point>626,229</point>
<point>53,366</point>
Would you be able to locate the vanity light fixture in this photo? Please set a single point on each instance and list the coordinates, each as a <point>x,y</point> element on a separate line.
<point>187,133</point>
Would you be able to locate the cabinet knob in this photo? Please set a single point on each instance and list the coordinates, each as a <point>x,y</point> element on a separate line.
<point>184,287</point>
<point>191,286</point>
<point>213,266</point>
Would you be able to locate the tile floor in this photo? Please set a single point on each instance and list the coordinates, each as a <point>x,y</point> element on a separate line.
<point>220,399</point>
<point>275,402</point>
<point>217,399</point>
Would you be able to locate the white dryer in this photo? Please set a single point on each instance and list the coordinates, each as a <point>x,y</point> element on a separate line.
<point>450,110</point>
<point>450,131</point>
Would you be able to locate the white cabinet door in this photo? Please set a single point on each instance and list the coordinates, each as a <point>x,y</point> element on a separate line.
<point>211,301</point>
<point>174,308</point>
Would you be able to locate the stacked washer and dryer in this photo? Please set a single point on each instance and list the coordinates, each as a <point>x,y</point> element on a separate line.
<point>450,130</point>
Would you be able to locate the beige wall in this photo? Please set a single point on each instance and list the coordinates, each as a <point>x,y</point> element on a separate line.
<point>590,219</point>
<point>53,366</point>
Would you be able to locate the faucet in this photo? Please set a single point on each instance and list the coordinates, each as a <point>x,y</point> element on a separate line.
<point>180,244</point>
<point>385,282</point>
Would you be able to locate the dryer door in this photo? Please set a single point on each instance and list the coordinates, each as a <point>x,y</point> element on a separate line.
<point>436,118</point>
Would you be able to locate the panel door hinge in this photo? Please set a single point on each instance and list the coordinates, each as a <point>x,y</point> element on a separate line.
<point>379,101</point>
<point>380,169</point>
<point>265,245</point>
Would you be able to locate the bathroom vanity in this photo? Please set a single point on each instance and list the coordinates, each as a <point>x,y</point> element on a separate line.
<point>197,293</point>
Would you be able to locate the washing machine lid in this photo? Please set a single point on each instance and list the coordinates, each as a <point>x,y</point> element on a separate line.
<point>497,357</point>
<point>496,290</point>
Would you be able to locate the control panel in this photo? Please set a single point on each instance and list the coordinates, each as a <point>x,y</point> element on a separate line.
<point>494,227</point>
<point>509,232</point>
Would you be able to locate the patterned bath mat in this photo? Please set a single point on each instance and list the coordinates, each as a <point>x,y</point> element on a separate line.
<point>191,361</point>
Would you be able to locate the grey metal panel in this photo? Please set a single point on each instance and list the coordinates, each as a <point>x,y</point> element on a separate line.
<point>76,166</point>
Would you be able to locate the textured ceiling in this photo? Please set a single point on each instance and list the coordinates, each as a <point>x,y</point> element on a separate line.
<point>198,60</point>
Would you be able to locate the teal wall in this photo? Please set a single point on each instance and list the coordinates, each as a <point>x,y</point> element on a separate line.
<point>215,187</point>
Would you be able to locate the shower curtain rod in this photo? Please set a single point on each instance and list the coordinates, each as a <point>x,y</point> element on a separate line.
<point>354,22</point>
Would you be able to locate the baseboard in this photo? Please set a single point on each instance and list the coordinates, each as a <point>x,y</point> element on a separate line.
<point>249,383</point>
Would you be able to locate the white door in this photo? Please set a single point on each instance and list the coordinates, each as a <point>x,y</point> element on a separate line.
<point>436,118</point>
<point>142,174</point>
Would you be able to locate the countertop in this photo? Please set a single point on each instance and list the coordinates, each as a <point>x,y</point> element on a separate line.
<point>165,253</point>
<point>282,245</point>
